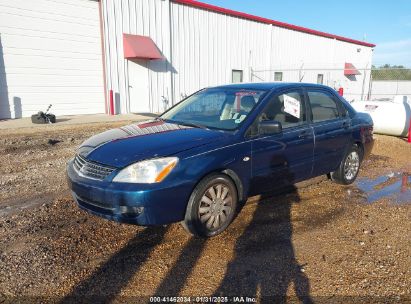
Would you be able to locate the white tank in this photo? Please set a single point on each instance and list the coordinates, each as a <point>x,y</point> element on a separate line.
<point>391,117</point>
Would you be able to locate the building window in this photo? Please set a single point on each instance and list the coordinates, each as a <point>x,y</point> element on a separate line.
<point>237,76</point>
<point>320,78</point>
<point>278,76</point>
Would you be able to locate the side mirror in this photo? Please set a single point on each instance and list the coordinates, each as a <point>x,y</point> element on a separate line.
<point>269,127</point>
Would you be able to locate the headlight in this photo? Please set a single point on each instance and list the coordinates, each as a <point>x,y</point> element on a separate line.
<point>147,171</point>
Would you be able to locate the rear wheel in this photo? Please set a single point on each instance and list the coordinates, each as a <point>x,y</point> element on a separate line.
<point>349,167</point>
<point>211,207</point>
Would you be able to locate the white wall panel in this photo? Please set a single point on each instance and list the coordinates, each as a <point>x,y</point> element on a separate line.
<point>202,47</point>
<point>50,54</point>
<point>293,50</point>
<point>138,17</point>
<point>361,57</point>
<point>206,46</point>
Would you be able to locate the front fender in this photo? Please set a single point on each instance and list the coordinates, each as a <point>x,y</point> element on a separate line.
<point>233,160</point>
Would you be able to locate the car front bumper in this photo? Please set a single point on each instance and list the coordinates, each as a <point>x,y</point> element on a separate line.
<point>141,204</point>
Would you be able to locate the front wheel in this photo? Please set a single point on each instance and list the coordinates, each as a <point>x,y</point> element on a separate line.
<point>349,167</point>
<point>211,207</point>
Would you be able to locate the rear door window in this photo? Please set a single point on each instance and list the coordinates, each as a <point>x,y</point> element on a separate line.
<point>287,108</point>
<point>323,106</point>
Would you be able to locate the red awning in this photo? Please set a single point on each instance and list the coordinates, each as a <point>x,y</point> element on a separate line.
<point>140,47</point>
<point>350,69</point>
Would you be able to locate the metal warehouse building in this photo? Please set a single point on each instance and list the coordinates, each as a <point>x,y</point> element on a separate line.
<point>152,53</point>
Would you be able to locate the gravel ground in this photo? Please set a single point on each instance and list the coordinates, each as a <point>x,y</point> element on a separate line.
<point>321,242</point>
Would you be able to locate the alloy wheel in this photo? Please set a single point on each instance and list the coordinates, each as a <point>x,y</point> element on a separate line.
<point>351,166</point>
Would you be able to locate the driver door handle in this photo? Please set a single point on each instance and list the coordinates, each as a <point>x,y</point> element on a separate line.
<point>346,125</point>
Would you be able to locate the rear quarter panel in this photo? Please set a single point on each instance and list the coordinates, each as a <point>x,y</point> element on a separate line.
<point>363,132</point>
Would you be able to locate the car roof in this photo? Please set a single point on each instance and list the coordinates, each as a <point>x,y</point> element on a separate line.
<point>268,85</point>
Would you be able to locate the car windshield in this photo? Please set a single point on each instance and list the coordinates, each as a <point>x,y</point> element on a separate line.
<point>215,108</point>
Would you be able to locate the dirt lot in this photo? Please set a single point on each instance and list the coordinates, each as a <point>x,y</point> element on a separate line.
<point>322,242</point>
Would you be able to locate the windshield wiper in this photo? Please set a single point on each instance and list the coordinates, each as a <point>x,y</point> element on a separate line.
<point>191,124</point>
<point>188,124</point>
<point>183,123</point>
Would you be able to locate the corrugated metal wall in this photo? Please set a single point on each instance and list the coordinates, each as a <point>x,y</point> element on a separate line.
<point>206,46</point>
<point>138,17</point>
<point>202,47</point>
<point>50,53</point>
<point>361,57</point>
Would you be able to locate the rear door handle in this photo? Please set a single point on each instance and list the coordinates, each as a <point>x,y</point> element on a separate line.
<point>303,134</point>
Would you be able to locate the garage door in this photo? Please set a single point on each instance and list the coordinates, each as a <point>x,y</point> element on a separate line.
<point>50,53</point>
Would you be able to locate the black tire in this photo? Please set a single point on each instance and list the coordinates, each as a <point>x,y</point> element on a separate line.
<point>52,118</point>
<point>349,167</point>
<point>221,208</point>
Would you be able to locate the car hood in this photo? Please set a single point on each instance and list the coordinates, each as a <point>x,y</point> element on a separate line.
<point>123,146</point>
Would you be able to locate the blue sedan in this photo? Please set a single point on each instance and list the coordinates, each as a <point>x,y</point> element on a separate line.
<point>201,159</point>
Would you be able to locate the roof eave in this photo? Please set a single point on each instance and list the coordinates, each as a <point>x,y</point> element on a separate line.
<point>230,12</point>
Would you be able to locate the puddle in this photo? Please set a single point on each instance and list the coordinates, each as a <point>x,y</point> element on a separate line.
<point>394,186</point>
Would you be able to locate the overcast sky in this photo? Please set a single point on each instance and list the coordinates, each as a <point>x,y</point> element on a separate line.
<point>382,22</point>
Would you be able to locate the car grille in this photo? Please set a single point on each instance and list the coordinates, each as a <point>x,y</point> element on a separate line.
<point>90,169</point>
